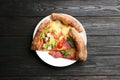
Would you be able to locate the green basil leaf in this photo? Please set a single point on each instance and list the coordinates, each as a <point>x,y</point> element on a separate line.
<point>70,41</point>
<point>47,30</point>
<point>44,33</point>
<point>42,36</point>
<point>67,52</point>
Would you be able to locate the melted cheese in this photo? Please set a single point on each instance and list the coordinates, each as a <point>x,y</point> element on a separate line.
<point>58,28</point>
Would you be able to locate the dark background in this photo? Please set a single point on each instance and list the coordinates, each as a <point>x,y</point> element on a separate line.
<point>100,18</point>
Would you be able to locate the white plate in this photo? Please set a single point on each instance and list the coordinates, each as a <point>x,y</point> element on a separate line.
<point>57,62</point>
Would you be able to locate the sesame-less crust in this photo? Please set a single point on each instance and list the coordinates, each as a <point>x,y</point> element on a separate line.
<point>37,42</point>
<point>81,53</point>
<point>67,20</point>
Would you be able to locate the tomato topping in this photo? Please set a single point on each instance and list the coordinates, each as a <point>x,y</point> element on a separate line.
<point>60,44</point>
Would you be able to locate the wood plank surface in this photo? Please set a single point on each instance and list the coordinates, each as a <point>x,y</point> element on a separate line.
<point>100,18</point>
<point>21,59</point>
<point>32,66</point>
<point>64,78</point>
<point>97,45</point>
<point>74,7</point>
<point>24,26</point>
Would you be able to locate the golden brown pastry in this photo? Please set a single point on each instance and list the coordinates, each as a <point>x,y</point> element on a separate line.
<point>37,42</point>
<point>81,53</point>
<point>67,20</point>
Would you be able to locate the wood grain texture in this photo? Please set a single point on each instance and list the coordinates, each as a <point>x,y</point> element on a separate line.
<point>31,66</point>
<point>64,78</point>
<point>19,60</point>
<point>100,18</point>
<point>24,26</point>
<point>97,45</point>
<point>74,7</point>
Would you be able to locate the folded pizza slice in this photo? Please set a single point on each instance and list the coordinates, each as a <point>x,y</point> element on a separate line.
<point>37,43</point>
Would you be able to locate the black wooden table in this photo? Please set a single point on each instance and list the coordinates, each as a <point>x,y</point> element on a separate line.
<point>100,18</point>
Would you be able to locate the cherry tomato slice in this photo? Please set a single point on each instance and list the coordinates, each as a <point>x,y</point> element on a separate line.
<point>60,44</point>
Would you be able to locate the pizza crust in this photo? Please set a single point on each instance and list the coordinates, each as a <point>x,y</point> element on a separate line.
<point>67,20</point>
<point>37,42</point>
<point>81,52</point>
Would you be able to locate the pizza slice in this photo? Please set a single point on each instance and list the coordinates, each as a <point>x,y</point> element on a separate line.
<point>37,42</point>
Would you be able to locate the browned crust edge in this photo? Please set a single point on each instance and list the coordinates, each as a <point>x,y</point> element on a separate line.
<point>36,43</point>
<point>81,53</point>
<point>67,20</point>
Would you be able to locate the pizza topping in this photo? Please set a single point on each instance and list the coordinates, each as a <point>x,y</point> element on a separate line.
<point>46,39</point>
<point>71,42</point>
<point>66,52</point>
<point>49,47</point>
<point>53,42</point>
<point>56,26</point>
<point>60,44</point>
<point>56,54</point>
<point>61,38</point>
<point>43,35</point>
<point>66,45</point>
<point>48,34</point>
<point>65,30</point>
<point>50,44</point>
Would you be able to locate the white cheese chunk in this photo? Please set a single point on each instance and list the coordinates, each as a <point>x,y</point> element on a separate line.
<point>48,34</point>
<point>49,47</point>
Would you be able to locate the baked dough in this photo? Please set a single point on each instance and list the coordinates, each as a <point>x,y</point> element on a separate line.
<point>81,53</point>
<point>67,20</point>
<point>37,42</point>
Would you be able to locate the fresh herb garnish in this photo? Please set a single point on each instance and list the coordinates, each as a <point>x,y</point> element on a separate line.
<point>52,43</point>
<point>42,36</point>
<point>44,33</point>
<point>70,41</point>
<point>66,52</point>
<point>47,30</point>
